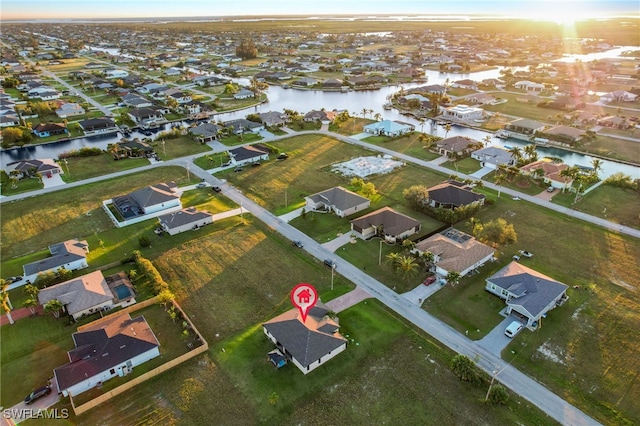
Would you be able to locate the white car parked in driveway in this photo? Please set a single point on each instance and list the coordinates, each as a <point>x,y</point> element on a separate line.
<point>513,329</point>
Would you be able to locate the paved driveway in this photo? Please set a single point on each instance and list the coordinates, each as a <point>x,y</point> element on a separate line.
<point>54,180</point>
<point>14,415</point>
<point>336,243</point>
<point>421,293</point>
<point>496,340</point>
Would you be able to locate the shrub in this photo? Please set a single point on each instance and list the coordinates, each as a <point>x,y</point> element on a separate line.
<point>498,395</point>
<point>144,241</point>
<point>463,367</point>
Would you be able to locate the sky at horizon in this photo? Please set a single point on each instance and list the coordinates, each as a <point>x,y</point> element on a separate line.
<point>118,9</point>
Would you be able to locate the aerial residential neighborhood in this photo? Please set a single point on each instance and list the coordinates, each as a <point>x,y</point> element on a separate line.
<point>294,218</point>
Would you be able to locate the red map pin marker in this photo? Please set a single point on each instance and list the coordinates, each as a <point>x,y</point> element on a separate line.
<point>304,297</point>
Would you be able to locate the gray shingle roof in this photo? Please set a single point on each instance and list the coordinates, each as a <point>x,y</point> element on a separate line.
<point>246,153</point>
<point>79,293</point>
<point>452,194</point>
<point>61,254</point>
<point>306,342</point>
<point>155,194</point>
<point>339,197</point>
<point>393,223</point>
<point>182,217</point>
<point>533,290</point>
<point>106,345</point>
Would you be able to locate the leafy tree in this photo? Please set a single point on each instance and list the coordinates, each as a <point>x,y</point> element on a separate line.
<point>453,277</point>
<point>496,233</point>
<point>45,279</point>
<point>498,395</point>
<point>144,241</point>
<point>499,180</point>
<point>416,196</point>
<point>31,290</point>
<point>165,297</point>
<point>466,370</point>
<point>53,307</point>
<point>408,244</point>
<point>11,135</point>
<point>31,303</point>
<point>64,274</point>
<point>247,49</point>
<point>369,189</point>
<point>357,183</point>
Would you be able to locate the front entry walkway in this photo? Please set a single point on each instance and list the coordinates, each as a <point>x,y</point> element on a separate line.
<point>336,243</point>
<point>345,301</point>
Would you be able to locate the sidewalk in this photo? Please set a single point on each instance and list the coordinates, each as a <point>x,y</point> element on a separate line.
<point>288,217</point>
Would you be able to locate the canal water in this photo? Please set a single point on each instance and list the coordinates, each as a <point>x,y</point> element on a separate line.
<point>354,102</point>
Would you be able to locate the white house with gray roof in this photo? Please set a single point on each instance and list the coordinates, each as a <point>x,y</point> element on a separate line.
<point>339,200</point>
<point>187,219</point>
<point>527,293</point>
<point>493,157</point>
<point>307,344</point>
<point>70,255</point>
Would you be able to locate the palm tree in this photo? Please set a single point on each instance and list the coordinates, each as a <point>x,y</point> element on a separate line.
<point>487,140</point>
<point>499,180</point>
<point>407,266</point>
<point>364,112</point>
<point>597,166</point>
<point>516,153</point>
<point>377,117</point>
<point>531,153</point>
<point>393,258</point>
<point>408,244</point>
<point>447,129</point>
<point>570,174</point>
<point>473,222</point>
<point>421,121</point>
<point>428,258</point>
<point>6,303</point>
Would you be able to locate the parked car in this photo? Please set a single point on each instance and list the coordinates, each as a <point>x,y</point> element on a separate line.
<point>430,280</point>
<point>330,263</point>
<point>283,156</point>
<point>516,257</point>
<point>513,329</point>
<point>38,393</point>
<point>550,189</point>
<point>201,185</point>
<point>256,164</point>
<point>11,280</point>
<point>298,244</point>
<point>237,169</point>
<point>216,189</point>
<point>526,253</point>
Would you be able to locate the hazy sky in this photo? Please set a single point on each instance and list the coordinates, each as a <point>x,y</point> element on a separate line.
<point>105,9</point>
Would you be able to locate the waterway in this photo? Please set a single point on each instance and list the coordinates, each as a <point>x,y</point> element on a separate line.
<point>354,102</point>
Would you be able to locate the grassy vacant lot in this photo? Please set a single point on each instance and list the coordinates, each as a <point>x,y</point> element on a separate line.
<point>598,380</point>
<point>350,127</point>
<point>307,171</point>
<point>179,147</point>
<point>81,168</point>
<point>410,144</point>
<point>615,204</point>
<point>32,224</point>
<point>613,147</point>
<point>466,165</point>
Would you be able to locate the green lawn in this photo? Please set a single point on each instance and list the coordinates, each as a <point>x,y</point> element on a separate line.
<point>240,139</point>
<point>412,144</point>
<point>23,185</point>
<point>466,165</point>
<point>211,161</point>
<point>179,147</point>
<point>81,168</point>
<point>350,127</point>
<point>32,224</point>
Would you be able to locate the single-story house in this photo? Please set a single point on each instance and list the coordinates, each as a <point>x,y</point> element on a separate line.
<point>339,200</point>
<point>527,292</point>
<point>206,132</point>
<point>273,118</point>
<point>482,99</point>
<point>184,220</point>
<point>44,130</point>
<point>462,113</point>
<point>69,110</point>
<point>136,101</point>
<point>242,125</point>
<point>114,73</point>
<point>27,168</point>
<point>458,145</point>
<point>615,122</point>
<point>178,95</point>
<point>618,96</point>
<point>465,84</point>
<point>451,194</point>
<point>133,149</point>
<point>388,128</point>
<point>551,172</point>
<point>94,126</point>
<point>566,133</point>
<point>152,199</point>
<point>70,255</point>
<point>529,86</point>
<point>88,294</point>
<point>319,115</point>
<point>244,94</point>
<point>386,222</point>
<point>455,251</point>
<point>139,115</point>
<point>524,126</point>
<point>105,349</point>
<point>307,344</point>
<point>247,154</point>
<point>493,157</point>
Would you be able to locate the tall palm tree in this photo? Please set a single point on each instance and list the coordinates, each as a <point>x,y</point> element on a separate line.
<point>486,140</point>
<point>377,117</point>
<point>516,153</point>
<point>499,180</point>
<point>6,303</point>
<point>447,129</point>
<point>531,153</point>
<point>597,166</point>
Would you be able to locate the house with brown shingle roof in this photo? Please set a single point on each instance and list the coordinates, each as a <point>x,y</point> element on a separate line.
<point>455,251</point>
<point>451,194</point>
<point>386,222</point>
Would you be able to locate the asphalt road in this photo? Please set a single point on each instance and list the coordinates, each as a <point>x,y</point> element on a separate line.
<point>526,387</point>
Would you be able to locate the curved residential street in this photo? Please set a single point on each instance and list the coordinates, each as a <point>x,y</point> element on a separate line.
<point>528,388</point>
